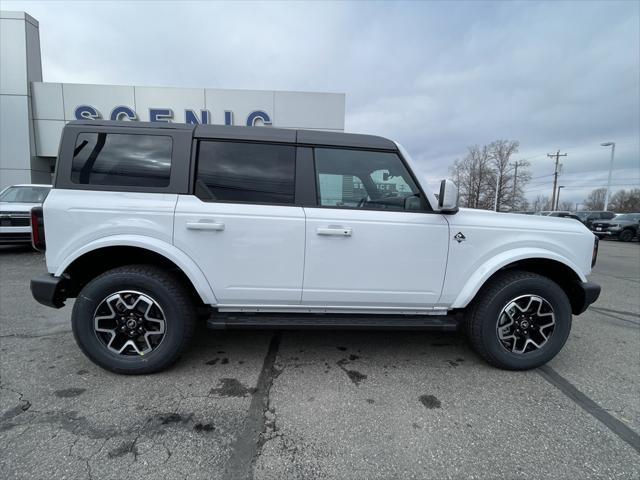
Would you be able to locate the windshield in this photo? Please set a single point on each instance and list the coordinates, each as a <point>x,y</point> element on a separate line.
<point>629,217</point>
<point>24,194</point>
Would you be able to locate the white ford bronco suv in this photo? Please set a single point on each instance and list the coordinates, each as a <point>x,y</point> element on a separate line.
<point>153,226</point>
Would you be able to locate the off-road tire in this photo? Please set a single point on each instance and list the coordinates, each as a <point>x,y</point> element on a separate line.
<point>165,288</point>
<point>483,314</point>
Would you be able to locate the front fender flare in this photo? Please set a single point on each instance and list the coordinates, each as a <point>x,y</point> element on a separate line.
<point>491,266</point>
<point>175,255</point>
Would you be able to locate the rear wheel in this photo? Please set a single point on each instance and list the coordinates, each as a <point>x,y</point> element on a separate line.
<point>519,321</point>
<point>134,319</point>
<point>626,235</point>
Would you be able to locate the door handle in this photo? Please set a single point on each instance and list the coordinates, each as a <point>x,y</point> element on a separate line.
<point>205,226</point>
<point>338,231</point>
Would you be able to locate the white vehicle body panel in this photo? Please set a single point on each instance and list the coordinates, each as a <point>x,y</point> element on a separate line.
<point>250,257</point>
<point>251,254</point>
<point>76,218</point>
<point>382,260</point>
<point>79,222</point>
<point>494,240</point>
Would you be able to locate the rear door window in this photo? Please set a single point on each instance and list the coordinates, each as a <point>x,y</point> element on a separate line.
<point>245,172</point>
<point>118,159</point>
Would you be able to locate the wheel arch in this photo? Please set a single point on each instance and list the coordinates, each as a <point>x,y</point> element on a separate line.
<point>546,264</point>
<point>107,253</point>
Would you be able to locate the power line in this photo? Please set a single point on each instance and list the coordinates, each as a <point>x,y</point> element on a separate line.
<point>593,185</point>
<point>541,176</point>
<point>625,182</point>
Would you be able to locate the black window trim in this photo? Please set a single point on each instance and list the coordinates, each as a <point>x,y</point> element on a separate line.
<point>178,174</point>
<point>426,206</point>
<point>195,158</point>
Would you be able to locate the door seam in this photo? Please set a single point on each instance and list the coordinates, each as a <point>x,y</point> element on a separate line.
<point>304,254</point>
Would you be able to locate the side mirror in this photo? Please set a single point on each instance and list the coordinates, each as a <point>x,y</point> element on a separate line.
<point>448,197</point>
<point>413,203</point>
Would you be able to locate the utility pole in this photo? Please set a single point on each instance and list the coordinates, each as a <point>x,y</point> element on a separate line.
<point>515,181</point>
<point>555,174</point>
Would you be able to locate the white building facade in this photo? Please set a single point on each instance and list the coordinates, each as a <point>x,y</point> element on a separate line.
<point>33,112</point>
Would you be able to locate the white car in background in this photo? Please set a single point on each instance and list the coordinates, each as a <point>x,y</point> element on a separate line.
<point>16,202</point>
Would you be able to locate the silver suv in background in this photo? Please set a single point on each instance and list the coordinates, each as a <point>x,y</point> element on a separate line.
<point>16,203</point>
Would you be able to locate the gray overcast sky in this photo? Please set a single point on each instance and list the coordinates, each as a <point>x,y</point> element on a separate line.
<point>436,76</point>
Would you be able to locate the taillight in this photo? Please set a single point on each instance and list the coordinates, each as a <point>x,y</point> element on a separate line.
<point>594,255</point>
<point>37,229</point>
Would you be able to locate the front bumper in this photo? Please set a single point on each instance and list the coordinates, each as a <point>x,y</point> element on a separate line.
<point>10,235</point>
<point>49,290</point>
<point>614,232</point>
<point>584,294</point>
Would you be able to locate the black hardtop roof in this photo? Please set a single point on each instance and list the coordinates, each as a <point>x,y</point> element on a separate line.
<point>260,134</point>
<point>133,124</point>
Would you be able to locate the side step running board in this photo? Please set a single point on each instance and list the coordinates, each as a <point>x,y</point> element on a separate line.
<point>332,321</point>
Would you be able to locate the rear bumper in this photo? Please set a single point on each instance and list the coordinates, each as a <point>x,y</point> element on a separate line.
<point>49,290</point>
<point>584,295</point>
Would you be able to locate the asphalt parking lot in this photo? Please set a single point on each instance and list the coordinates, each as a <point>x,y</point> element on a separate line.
<point>322,404</point>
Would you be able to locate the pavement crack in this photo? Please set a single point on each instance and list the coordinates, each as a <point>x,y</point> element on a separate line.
<point>23,405</point>
<point>245,449</point>
<point>35,335</point>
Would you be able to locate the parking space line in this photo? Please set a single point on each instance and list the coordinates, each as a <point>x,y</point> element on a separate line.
<point>616,426</point>
<point>245,448</point>
<point>616,317</point>
<point>621,312</point>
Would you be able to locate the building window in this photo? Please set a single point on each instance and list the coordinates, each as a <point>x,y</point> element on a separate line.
<point>118,159</point>
<point>245,172</point>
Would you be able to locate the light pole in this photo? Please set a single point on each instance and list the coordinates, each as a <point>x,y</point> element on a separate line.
<point>613,152</point>
<point>558,197</point>
<point>498,182</point>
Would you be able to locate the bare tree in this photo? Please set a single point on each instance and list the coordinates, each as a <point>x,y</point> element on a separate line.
<point>477,176</point>
<point>541,203</point>
<point>471,174</point>
<point>625,201</point>
<point>500,152</point>
<point>566,206</point>
<point>595,200</point>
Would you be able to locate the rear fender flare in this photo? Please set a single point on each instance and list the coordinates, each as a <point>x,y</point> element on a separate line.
<point>182,260</point>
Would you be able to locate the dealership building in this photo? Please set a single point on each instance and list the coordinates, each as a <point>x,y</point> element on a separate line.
<point>33,112</point>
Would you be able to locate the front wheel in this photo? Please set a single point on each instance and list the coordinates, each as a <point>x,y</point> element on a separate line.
<point>134,319</point>
<point>520,320</point>
<point>626,235</point>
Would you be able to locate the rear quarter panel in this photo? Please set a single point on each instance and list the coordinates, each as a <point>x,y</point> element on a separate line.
<point>76,218</point>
